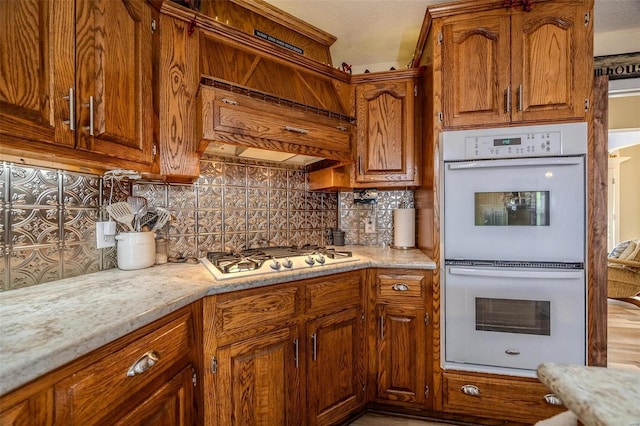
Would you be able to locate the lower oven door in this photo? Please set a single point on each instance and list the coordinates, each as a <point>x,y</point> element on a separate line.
<point>511,318</point>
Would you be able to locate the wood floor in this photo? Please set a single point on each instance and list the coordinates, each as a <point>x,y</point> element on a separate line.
<point>623,351</point>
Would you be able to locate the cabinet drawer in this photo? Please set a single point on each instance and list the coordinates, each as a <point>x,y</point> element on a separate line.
<point>84,397</point>
<point>251,313</point>
<point>499,398</point>
<point>335,292</point>
<point>392,286</point>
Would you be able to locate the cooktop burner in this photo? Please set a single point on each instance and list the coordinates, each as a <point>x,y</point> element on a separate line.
<point>258,261</point>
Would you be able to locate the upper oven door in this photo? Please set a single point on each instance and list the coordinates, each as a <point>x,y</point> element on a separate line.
<point>528,209</point>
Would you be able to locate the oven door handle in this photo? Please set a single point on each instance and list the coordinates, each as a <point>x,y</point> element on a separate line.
<point>515,162</point>
<point>504,273</point>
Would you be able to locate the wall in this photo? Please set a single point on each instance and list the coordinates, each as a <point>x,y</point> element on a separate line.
<point>630,194</point>
<point>48,216</point>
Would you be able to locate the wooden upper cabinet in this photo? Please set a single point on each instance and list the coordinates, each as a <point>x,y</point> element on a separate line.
<point>476,69</point>
<point>114,78</point>
<point>78,75</point>
<point>386,149</point>
<point>507,66</point>
<point>36,70</point>
<point>551,62</point>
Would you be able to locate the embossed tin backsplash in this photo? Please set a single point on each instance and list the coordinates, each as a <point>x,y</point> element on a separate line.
<point>48,216</point>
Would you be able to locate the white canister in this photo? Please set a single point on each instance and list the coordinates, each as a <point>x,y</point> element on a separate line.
<point>136,250</point>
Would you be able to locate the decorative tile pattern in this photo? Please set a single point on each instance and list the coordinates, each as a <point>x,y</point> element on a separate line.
<point>48,216</point>
<point>353,217</point>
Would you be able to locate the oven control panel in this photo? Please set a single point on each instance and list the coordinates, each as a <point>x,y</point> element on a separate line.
<point>534,144</point>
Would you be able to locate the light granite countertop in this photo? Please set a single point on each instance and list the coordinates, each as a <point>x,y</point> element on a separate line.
<point>598,396</point>
<point>48,325</point>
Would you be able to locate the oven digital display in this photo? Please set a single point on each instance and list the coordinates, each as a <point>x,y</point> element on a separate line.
<point>507,142</point>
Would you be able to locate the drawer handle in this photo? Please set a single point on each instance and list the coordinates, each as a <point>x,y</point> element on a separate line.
<point>400,287</point>
<point>296,130</point>
<point>144,363</point>
<point>552,399</point>
<point>512,352</point>
<point>229,101</point>
<point>470,390</point>
<point>341,128</point>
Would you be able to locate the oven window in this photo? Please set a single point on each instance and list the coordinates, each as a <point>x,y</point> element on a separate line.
<point>513,316</point>
<point>524,208</point>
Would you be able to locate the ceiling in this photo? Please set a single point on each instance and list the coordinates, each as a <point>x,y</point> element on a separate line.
<point>378,34</point>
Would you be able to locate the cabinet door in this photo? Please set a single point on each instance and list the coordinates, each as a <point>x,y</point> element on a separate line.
<point>34,411</point>
<point>170,405</point>
<point>551,67</point>
<point>476,69</point>
<point>401,353</point>
<point>37,71</point>
<point>113,78</point>
<point>258,380</point>
<point>386,150</point>
<point>335,366</point>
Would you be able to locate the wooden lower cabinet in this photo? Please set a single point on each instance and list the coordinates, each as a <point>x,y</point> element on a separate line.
<point>335,380</point>
<point>401,355</point>
<point>398,338</point>
<point>498,397</point>
<point>171,404</point>
<point>258,380</point>
<point>144,378</point>
<point>288,354</point>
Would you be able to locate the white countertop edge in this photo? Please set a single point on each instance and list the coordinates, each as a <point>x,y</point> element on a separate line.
<point>49,325</point>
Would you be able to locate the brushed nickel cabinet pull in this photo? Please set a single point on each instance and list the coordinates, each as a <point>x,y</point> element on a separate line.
<point>72,110</point>
<point>144,363</point>
<point>90,105</point>
<point>470,390</point>
<point>296,130</point>
<point>400,287</point>
<point>296,353</point>
<point>507,104</point>
<point>520,100</point>
<point>512,352</point>
<point>341,128</point>
<point>552,399</point>
<point>314,348</point>
<point>229,101</point>
<point>360,165</point>
<point>381,328</point>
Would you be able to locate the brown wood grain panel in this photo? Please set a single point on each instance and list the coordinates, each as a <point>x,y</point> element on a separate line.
<point>80,399</point>
<point>257,381</point>
<point>170,405</point>
<point>179,82</point>
<point>258,309</point>
<point>499,397</point>
<point>597,158</point>
<point>335,292</point>
<point>335,383</point>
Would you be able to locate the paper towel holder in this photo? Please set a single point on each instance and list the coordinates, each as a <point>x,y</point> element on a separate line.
<point>404,236</point>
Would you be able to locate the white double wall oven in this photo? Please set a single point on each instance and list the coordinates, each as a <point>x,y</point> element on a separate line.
<point>513,247</point>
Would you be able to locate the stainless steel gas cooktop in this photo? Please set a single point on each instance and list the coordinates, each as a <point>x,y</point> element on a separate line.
<point>271,260</point>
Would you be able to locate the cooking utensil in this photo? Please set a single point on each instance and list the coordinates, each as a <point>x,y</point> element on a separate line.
<point>148,219</point>
<point>139,208</point>
<point>163,216</point>
<point>121,212</point>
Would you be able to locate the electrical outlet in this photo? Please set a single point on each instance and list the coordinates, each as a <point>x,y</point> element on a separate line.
<point>105,234</point>
<point>369,227</point>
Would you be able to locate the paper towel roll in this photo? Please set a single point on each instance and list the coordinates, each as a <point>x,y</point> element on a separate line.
<point>404,228</point>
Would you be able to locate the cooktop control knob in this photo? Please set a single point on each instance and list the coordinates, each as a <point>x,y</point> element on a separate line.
<point>320,259</point>
<point>287,263</point>
<point>275,265</point>
<point>309,260</point>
